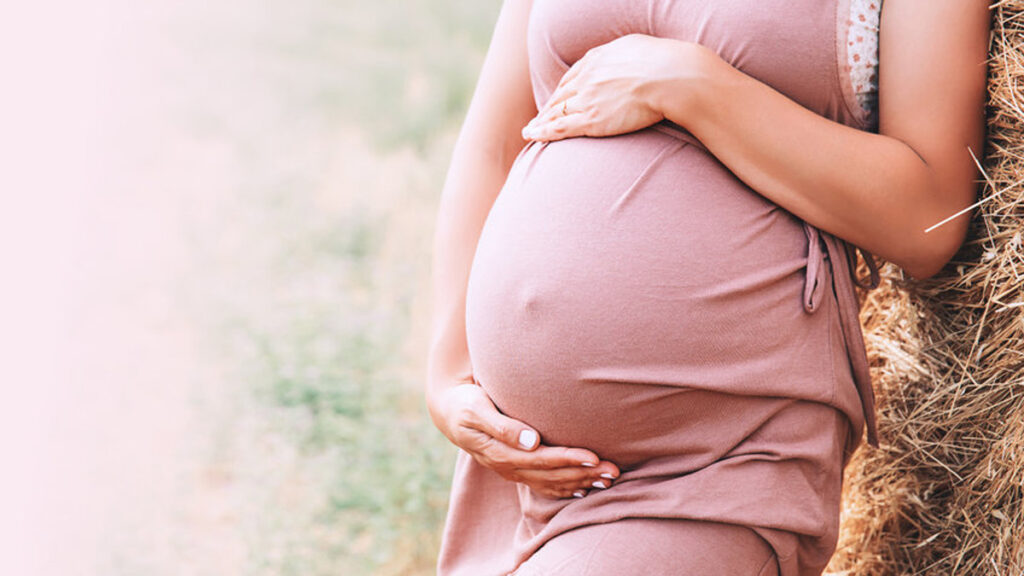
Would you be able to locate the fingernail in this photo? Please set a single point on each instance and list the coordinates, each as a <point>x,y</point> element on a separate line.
<point>608,476</point>
<point>598,484</point>
<point>587,464</point>
<point>529,132</point>
<point>527,438</point>
<point>579,494</point>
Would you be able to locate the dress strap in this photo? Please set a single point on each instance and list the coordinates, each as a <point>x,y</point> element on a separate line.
<point>822,246</point>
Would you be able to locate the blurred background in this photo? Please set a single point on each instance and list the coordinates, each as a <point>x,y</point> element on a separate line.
<point>216,241</point>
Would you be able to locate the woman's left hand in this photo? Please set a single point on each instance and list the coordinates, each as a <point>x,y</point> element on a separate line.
<point>617,88</point>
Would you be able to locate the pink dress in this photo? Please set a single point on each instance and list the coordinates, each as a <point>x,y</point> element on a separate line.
<point>632,296</point>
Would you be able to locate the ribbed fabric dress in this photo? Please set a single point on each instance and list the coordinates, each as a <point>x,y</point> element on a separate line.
<point>632,296</point>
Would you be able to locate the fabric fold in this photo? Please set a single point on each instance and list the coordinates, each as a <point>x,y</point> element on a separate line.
<point>824,246</point>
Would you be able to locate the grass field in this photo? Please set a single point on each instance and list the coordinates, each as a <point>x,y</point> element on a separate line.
<point>318,260</point>
<point>267,243</point>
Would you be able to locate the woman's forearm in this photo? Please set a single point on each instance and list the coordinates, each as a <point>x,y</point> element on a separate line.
<point>476,175</point>
<point>870,189</point>
<point>484,152</point>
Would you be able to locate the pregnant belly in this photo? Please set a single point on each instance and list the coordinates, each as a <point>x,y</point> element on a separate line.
<point>628,292</point>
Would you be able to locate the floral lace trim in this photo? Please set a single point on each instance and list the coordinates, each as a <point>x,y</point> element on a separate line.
<point>862,53</point>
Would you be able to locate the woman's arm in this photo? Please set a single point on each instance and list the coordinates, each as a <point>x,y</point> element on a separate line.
<point>488,143</point>
<point>484,151</point>
<point>878,191</point>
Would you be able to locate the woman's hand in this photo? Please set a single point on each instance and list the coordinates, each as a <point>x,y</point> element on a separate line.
<point>617,88</point>
<point>513,449</point>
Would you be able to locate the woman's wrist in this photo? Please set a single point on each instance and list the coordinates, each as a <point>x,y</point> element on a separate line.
<point>439,400</point>
<point>437,406</point>
<point>692,76</point>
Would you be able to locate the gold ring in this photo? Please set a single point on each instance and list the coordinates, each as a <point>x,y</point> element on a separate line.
<point>564,104</point>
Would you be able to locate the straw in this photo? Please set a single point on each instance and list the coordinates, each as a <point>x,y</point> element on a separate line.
<point>944,493</point>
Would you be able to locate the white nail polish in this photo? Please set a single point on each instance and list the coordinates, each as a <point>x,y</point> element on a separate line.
<point>586,464</point>
<point>608,476</point>
<point>578,494</point>
<point>527,438</point>
<point>598,484</point>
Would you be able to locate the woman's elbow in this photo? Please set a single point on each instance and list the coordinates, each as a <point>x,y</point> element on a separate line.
<point>935,251</point>
<point>922,271</point>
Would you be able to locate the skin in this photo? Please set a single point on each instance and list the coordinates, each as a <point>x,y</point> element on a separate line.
<point>878,191</point>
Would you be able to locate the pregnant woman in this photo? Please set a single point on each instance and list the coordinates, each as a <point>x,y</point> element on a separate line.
<point>645,338</point>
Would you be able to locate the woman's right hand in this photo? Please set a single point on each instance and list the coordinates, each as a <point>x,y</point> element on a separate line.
<point>513,449</point>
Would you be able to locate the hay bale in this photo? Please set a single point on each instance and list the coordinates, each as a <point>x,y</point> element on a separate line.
<point>945,492</point>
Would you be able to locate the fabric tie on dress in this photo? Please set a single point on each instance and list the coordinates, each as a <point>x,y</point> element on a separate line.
<point>842,258</point>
